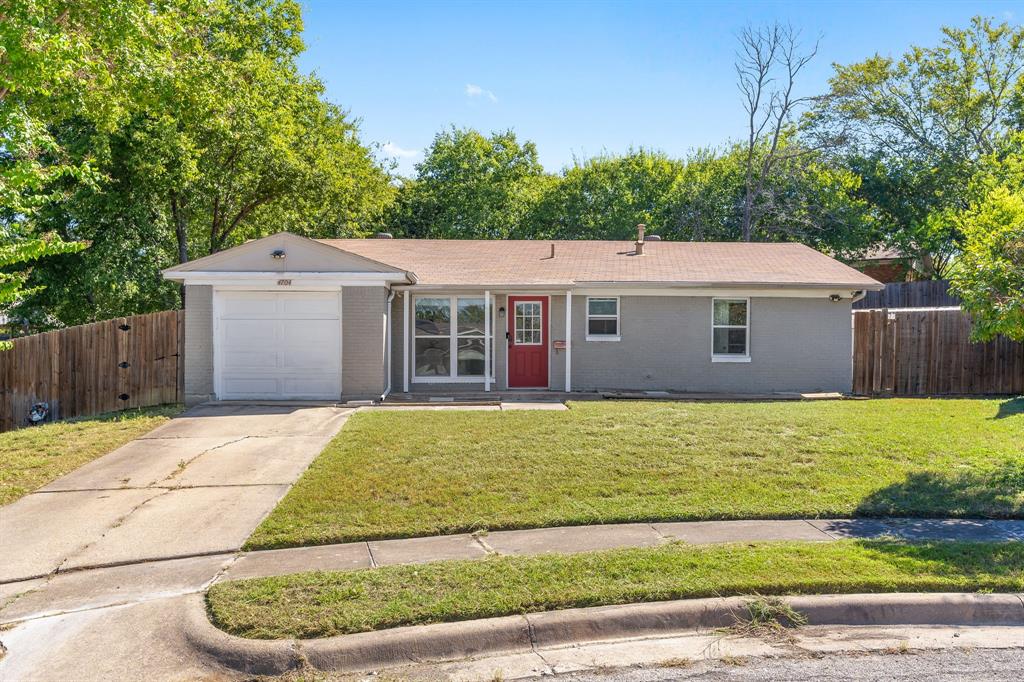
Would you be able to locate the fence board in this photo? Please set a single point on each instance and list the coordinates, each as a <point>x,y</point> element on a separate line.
<point>922,294</point>
<point>929,352</point>
<point>78,370</point>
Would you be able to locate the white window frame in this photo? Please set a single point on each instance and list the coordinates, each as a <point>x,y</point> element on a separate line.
<point>453,337</point>
<point>515,324</point>
<point>730,357</point>
<point>617,336</point>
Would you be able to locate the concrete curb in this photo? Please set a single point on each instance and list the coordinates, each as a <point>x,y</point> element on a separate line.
<point>518,634</point>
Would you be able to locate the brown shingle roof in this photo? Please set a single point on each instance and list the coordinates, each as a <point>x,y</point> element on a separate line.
<point>528,263</point>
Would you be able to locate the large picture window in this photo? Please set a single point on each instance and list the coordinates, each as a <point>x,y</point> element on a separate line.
<point>730,330</point>
<point>449,337</point>
<point>602,319</point>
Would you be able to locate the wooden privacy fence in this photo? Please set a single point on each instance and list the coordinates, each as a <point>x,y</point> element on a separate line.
<point>111,365</point>
<point>929,352</point>
<point>924,294</point>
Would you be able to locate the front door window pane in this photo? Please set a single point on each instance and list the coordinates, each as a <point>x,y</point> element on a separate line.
<point>528,323</point>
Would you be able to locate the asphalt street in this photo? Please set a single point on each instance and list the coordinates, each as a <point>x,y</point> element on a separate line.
<point>944,665</point>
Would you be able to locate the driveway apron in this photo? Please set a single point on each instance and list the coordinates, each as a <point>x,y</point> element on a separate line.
<point>197,485</point>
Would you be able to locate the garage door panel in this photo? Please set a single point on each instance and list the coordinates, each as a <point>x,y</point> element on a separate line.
<point>317,359</point>
<point>249,386</point>
<point>310,332</point>
<point>301,388</point>
<point>258,360</point>
<point>320,306</point>
<point>249,306</point>
<point>245,332</point>
<point>280,345</point>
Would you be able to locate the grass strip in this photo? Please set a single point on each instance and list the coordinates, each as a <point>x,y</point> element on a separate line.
<point>33,456</point>
<point>322,604</point>
<point>411,473</point>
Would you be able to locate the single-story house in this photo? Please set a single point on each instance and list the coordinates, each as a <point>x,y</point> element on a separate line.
<point>287,317</point>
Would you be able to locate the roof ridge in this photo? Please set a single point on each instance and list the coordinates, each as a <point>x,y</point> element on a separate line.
<point>416,240</point>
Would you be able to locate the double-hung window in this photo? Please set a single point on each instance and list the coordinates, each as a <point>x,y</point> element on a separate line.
<point>449,338</point>
<point>602,319</point>
<point>730,330</point>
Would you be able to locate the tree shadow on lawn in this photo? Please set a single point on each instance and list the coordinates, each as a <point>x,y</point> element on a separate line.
<point>1001,562</point>
<point>1010,408</point>
<point>995,494</point>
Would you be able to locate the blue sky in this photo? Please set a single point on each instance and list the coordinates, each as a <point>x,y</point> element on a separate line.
<point>582,78</point>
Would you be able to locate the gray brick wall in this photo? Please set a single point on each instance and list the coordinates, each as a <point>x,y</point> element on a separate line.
<point>796,344</point>
<point>198,344</point>
<point>362,342</point>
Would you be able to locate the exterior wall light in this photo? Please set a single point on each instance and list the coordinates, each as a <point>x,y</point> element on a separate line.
<point>501,312</point>
<point>277,255</point>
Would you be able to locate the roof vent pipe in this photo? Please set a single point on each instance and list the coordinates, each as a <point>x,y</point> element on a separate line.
<point>552,249</point>
<point>640,239</point>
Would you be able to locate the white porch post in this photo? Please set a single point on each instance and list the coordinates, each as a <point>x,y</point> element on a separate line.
<point>568,341</point>
<point>405,341</point>
<point>487,341</point>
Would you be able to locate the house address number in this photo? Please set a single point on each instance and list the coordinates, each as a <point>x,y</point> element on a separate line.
<point>284,282</point>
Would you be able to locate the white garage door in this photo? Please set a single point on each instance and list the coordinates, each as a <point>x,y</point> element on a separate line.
<point>279,345</point>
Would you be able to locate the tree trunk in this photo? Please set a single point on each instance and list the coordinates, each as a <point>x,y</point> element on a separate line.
<point>748,213</point>
<point>927,264</point>
<point>181,235</point>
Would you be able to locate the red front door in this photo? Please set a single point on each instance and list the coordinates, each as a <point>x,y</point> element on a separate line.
<point>527,342</point>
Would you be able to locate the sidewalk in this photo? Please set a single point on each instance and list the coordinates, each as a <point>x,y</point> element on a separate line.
<point>571,539</point>
<point>94,588</point>
<point>79,623</point>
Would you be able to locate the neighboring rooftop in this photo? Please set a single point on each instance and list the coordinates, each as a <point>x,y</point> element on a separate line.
<point>882,253</point>
<point>507,263</point>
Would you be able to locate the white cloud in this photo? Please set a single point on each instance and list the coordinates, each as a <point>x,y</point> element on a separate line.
<point>477,91</point>
<point>392,149</point>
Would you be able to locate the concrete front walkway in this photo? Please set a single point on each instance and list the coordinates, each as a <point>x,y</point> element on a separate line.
<point>197,485</point>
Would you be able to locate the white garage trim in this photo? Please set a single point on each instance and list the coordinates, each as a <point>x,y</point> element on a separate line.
<point>297,280</point>
<point>220,304</point>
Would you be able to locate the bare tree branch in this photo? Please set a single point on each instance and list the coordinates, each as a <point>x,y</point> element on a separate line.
<point>768,63</point>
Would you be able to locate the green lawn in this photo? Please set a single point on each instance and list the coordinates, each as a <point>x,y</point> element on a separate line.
<point>310,605</point>
<point>32,457</point>
<point>408,473</point>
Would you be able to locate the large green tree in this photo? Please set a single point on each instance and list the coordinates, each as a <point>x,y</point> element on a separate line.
<point>916,127</point>
<point>702,198</point>
<point>58,60</point>
<point>230,142</point>
<point>471,186</point>
<point>607,196</point>
<point>989,273</point>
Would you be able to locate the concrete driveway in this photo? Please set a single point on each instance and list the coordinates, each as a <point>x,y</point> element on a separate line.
<point>197,485</point>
